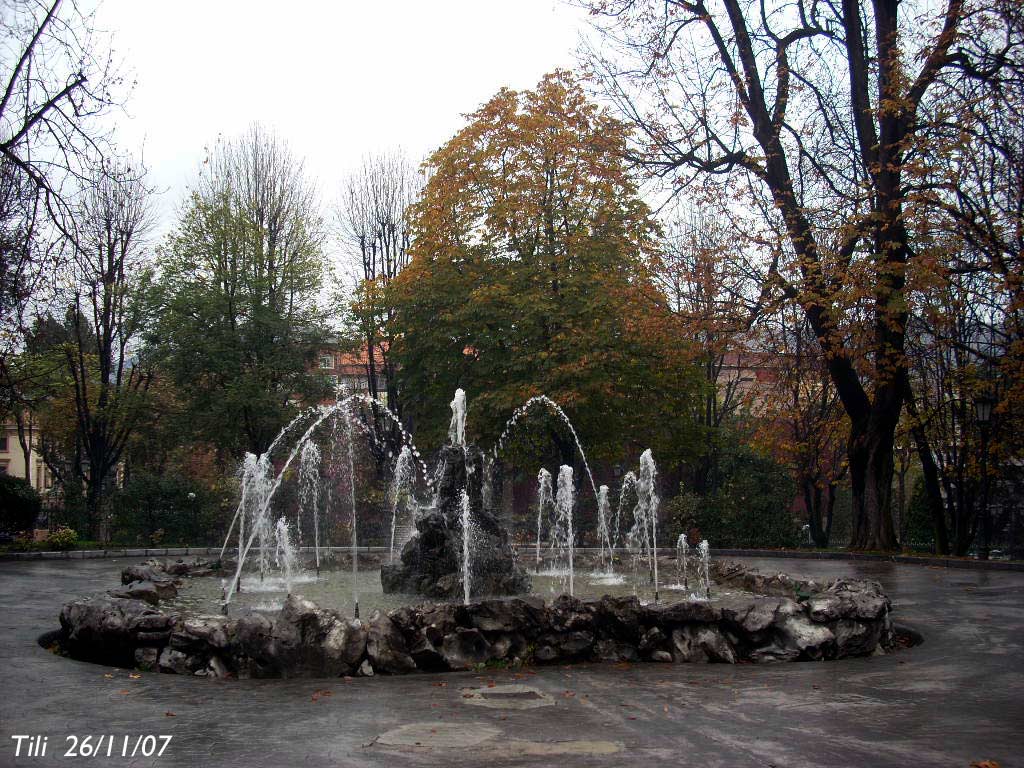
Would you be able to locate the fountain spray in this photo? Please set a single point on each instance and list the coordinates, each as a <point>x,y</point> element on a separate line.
<point>309,494</point>
<point>545,501</point>
<point>352,501</point>
<point>467,535</point>
<point>647,510</point>
<point>565,499</point>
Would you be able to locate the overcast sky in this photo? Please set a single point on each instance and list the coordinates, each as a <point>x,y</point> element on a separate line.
<point>338,79</point>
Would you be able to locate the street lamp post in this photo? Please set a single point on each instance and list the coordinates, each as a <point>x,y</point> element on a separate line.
<point>983,413</point>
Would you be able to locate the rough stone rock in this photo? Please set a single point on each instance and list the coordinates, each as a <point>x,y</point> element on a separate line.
<point>515,615</point>
<point>696,643</point>
<point>254,647</point>
<point>653,640</point>
<point>365,669</point>
<point>612,651</point>
<point>619,617</point>
<point>545,653</point>
<point>153,573</point>
<point>506,645</point>
<point>146,590</point>
<point>426,656</point>
<point>438,621</point>
<point>854,638</point>
<point>430,563</point>
<point>662,656</point>
<point>103,629</point>
<point>146,658</point>
<point>308,640</point>
<point>667,614</point>
<point>210,631</point>
<point>153,638</point>
<point>178,662</point>
<point>568,645</point>
<point>385,647</point>
<point>859,599</point>
<point>824,607</point>
<point>217,668</point>
<point>751,616</point>
<point>570,614</point>
<point>771,653</point>
<point>465,648</point>
<point>813,641</point>
<point>347,642</point>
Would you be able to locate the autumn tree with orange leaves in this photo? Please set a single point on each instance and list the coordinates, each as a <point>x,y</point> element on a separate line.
<point>530,274</point>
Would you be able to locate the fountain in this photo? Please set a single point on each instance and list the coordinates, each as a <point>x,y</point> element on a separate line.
<point>628,486</point>
<point>563,539</point>
<point>604,539</point>
<point>704,567</point>
<point>646,513</point>
<point>284,553</point>
<point>400,495</point>
<point>545,503</point>
<point>466,525</point>
<point>457,551</point>
<point>309,494</point>
<point>433,562</point>
<point>682,552</point>
<point>453,543</point>
<point>261,479</point>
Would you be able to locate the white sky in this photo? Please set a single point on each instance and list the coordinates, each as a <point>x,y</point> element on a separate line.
<point>337,79</point>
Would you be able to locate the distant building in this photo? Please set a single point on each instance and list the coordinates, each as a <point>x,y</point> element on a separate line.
<point>12,458</point>
<point>343,368</point>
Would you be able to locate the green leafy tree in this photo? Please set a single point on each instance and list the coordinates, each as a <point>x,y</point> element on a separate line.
<point>239,320</point>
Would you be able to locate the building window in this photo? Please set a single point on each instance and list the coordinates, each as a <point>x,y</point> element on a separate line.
<point>326,362</point>
<point>3,444</point>
<point>332,380</point>
<point>3,467</point>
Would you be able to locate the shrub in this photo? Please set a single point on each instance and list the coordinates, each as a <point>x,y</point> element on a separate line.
<point>19,504</point>
<point>166,510</point>
<point>62,539</point>
<point>750,507</point>
<point>919,527</point>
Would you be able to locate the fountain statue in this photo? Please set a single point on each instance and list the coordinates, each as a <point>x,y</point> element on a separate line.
<point>459,541</point>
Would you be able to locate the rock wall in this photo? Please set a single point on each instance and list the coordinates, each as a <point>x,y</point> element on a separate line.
<point>845,618</point>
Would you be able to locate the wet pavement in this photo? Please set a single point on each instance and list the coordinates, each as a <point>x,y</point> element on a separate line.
<point>956,699</point>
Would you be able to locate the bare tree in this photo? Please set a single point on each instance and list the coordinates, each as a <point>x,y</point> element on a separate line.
<point>54,91</point>
<point>374,229</point>
<point>820,117</point>
<point>706,283</point>
<point>106,317</point>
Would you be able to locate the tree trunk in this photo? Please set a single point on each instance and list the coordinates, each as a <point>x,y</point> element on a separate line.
<point>930,472</point>
<point>872,467</point>
<point>819,512</point>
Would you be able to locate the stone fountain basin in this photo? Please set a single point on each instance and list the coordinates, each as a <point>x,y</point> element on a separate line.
<point>799,621</point>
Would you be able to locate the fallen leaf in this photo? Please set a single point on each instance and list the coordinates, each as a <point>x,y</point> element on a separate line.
<point>169,714</point>
<point>134,676</point>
